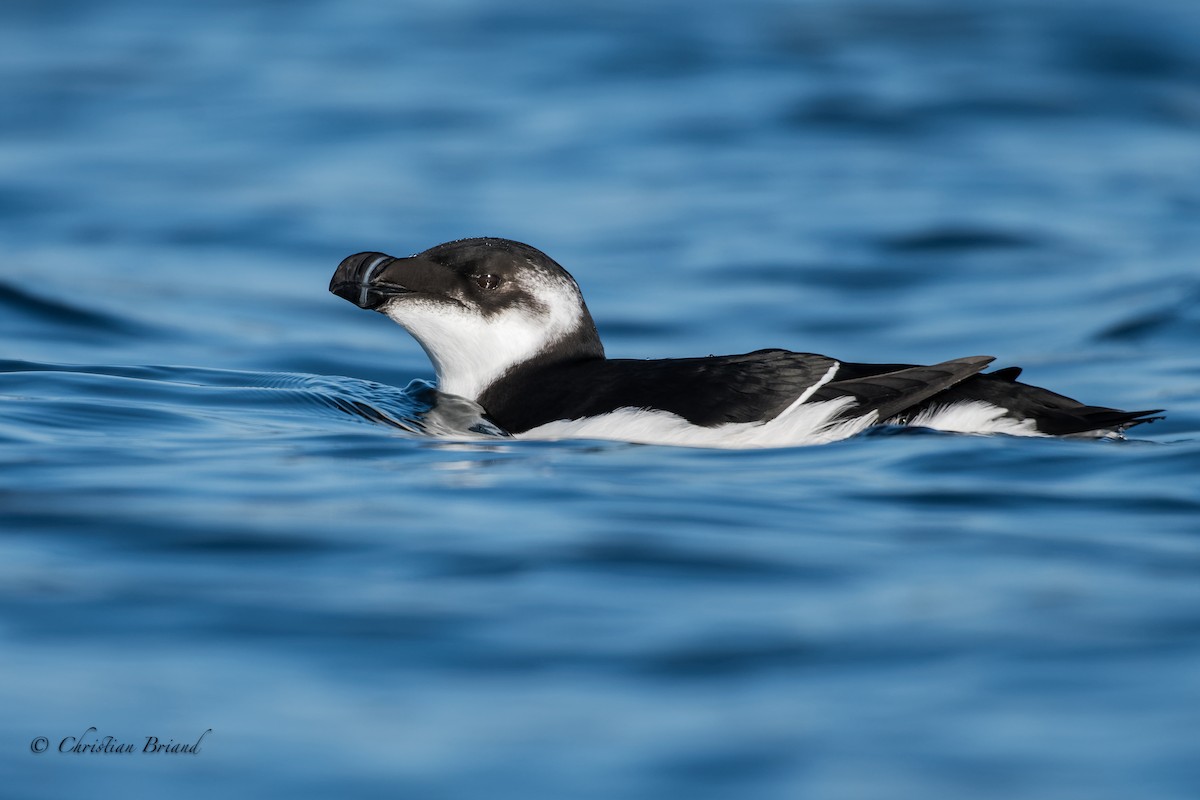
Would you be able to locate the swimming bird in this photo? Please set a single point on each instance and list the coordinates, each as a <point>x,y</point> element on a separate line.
<point>507,328</point>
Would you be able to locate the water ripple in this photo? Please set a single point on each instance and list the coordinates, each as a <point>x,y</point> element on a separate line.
<point>157,399</point>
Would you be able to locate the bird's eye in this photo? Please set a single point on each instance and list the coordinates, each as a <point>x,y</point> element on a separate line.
<point>488,281</point>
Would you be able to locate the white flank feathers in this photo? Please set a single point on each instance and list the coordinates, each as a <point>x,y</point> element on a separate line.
<point>801,424</point>
<point>974,416</point>
<point>810,423</point>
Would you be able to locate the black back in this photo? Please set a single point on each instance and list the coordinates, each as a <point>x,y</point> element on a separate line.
<point>758,386</point>
<point>705,391</point>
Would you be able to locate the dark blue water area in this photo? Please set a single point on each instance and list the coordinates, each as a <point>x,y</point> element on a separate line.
<point>220,508</point>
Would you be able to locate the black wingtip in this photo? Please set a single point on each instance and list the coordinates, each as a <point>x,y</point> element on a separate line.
<point>1092,419</point>
<point>1142,417</point>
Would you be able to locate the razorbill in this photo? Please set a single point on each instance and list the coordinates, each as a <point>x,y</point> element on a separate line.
<point>507,328</point>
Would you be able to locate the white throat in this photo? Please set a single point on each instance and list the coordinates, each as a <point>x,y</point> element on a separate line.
<point>471,351</point>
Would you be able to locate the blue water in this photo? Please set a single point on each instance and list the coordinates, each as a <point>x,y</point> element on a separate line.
<point>211,519</point>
